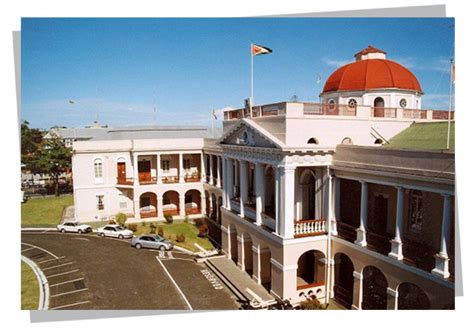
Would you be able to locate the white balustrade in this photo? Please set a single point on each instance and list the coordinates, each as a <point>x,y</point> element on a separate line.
<point>310,227</point>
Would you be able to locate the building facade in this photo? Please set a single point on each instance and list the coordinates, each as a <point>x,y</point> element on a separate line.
<point>303,197</point>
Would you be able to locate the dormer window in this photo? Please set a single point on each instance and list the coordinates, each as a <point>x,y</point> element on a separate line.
<point>403,103</point>
<point>352,103</point>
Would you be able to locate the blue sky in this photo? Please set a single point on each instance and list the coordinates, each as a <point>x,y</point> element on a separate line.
<point>119,70</point>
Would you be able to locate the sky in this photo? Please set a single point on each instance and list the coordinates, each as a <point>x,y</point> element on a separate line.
<point>177,71</point>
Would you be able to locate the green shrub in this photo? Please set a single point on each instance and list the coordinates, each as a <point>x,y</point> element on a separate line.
<point>111,222</point>
<point>180,237</point>
<point>169,219</point>
<point>312,304</point>
<point>143,224</point>
<point>160,231</point>
<point>203,230</point>
<point>133,227</point>
<point>198,222</point>
<point>120,218</point>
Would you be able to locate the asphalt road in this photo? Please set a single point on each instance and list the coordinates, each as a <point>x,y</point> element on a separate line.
<point>89,272</point>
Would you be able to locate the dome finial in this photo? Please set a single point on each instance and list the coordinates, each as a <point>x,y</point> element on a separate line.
<point>369,53</point>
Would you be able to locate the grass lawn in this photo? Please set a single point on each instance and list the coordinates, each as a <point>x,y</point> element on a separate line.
<point>424,136</point>
<point>44,212</point>
<point>29,288</point>
<point>170,231</point>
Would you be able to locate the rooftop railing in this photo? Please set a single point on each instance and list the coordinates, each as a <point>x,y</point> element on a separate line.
<point>337,110</point>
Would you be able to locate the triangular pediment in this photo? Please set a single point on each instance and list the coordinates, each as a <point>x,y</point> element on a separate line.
<point>247,133</point>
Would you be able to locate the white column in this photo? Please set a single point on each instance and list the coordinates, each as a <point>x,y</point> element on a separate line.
<point>218,183</point>
<point>392,299</point>
<point>259,182</point>
<point>442,261</point>
<point>211,165</point>
<point>361,231</point>
<point>182,206</point>
<point>230,181</point>
<point>336,187</point>
<point>277,200</point>
<point>225,182</point>
<point>330,219</point>
<point>243,186</point>
<point>158,168</point>
<point>357,294</point>
<point>203,168</point>
<point>159,205</point>
<point>257,268</point>
<point>181,169</point>
<point>135,169</point>
<point>136,205</point>
<point>287,204</point>
<point>396,251</point>
<point>203,203</point>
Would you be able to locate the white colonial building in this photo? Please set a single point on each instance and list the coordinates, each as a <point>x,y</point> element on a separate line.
<point>303,197</point>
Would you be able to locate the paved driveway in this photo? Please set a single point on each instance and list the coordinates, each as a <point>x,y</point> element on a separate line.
<point>88,272</point>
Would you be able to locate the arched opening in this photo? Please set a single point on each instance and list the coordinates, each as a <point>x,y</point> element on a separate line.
<point>247,253</point>
<point>219,214</point>
<point>192,202</point>
<point>311,270</point>
<point>312,140</point>
<point>343,280</point>
<point>379,105</point>
<point>346,141</point>
<point>233,243</point>
<point>265,267</point>
<point>378,141</point>
<point>148,205</point>
<point>208,204</point>
<point>412,297</point>
<point>374,286</point>
<point>171,203</point>
<point>269,208</point>
<point>379,102</point>
<point>214,207</point>
<point>308,194</point>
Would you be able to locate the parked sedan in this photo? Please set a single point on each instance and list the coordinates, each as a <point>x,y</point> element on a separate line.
<point>114,231</point>
<point>74,227</point>
<point>151,241</point>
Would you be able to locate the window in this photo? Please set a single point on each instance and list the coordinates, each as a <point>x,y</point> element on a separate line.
<point>416,211</point>
<point>352,103</point>
<point>100,202</point>
<point>312,140</point>
<point>403,103</point>
<point>166,200</point>
<point>165,165</point>
<point>332,104</point>
<point>98,168</point>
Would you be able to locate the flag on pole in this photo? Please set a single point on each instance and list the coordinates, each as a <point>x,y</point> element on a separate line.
<point>260,50</point>
<point>452,73</point>
<point>214,114</point>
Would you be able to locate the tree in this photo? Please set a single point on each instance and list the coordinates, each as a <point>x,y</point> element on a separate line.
<point>31,140</point>
<point>52,158</point>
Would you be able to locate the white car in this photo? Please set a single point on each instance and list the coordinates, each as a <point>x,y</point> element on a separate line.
<point>114,231</point>
<point>74,227</point>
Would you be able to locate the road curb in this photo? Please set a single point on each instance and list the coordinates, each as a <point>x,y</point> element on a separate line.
<point>38,229</point>
<point>43,303</point>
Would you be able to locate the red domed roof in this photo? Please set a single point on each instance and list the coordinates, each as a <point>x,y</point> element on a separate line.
<point>372,74</point>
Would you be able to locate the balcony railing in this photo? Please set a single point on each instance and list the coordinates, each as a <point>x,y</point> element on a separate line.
<point>171,212</point>
<point>309,227</point>
<point>150,181</point>
<point>148,214</point>
<point>170,179</point>
<point>124,181</point>
<point>192,178</point>
<point>193,211</point>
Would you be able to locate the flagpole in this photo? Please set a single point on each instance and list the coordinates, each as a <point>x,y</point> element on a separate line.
<point>251,75</point>
<point>449,105</point>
